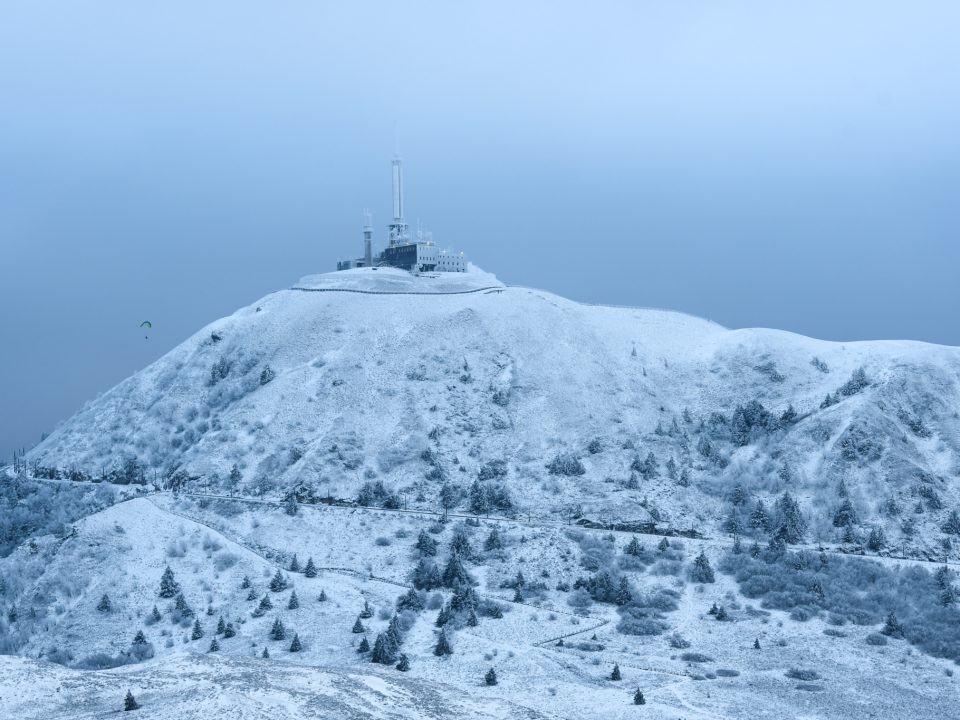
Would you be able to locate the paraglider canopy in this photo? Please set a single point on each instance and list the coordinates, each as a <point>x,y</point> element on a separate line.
<point>146,324</point>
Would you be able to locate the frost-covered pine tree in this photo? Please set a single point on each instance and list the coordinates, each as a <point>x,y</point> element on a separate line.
<point>295,564</point>
<point>322,597</point>
<point>491,677</point>
<point>663,545</point>
<point>615,675</point>
<point>384,650</point>
<point>638,698</point>
<point>290,507</point>
<point>892,627</point>
<point>493,541</point>
<point>104,605</point>
<point>130,702</point>
<point>278,631</point>
<point>756,644</point>
<point>310,570</point>
<point>155,614</point>
<point>404,663</point>
<point>294,601</point>
<point>952,525</point>
<point>479,503</point>
<point>702,572</point>
<point>279,582</point>
<point>624,595</point>
<point>443,645</point>
<point>472,619</point>
<point>877,539</point>
<point>214,645</point>
<point>169,587</point>
<point>426,545</point>
<point>443,617</point>
<point>455,574</point>
<point>221,626</point>
<point>265,654</point>
<point>246,583</point>
<point>364,645</point>
<point>228,631</point>
<point>410,601</point>
<point>760,518</point>
<point>263,607</point>
<point>296,645</point>
<point>139,638</point>
<point>197,630</point>
<point>518,595</point>
<point>181,606</point>
<point>358,627</point>
<point>633,547</point>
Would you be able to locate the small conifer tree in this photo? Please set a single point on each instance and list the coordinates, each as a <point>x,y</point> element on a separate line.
<point>278,632</point>
<point>104,605</point>
<point>892,627</point>
<point>296,646</point>
<point>294,601</point>
<point>638,698</point>
<point>491,677</point>
<point>756,644</point>
<point>221,626</point>
<point>404,663</point>
<point>197,630</point>
<point>246,583</point>
<point>130,702</point>
<point>364,645</point>
<point>472,620</point>
<point>310,570</point>
<point>323,596</point>
<point>155,614</point>
<point>214,645</point>
<point>367,611</point>
<point>182,607</point>
<point>252,595</point>
<point>294,564</point>
<point>265,654</point>
<point>358,627</point>
<point>279,582</point>
<point>518,595</point>
<point>168,585</point>
<point>228,631</point>
<point>443,645</point>
<point>139,638</point>
<point>615,675</point>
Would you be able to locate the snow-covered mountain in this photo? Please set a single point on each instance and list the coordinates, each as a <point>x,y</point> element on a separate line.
<point>398,384</point>
<point>258,525</point>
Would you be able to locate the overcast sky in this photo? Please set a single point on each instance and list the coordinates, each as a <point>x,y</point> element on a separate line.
<point>790,165</point>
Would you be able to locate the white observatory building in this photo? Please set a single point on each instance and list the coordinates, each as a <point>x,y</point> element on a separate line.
<point>417,256</point>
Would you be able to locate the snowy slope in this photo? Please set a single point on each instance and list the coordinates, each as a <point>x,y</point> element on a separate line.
<point>204,686</point>
<point>350,376</point>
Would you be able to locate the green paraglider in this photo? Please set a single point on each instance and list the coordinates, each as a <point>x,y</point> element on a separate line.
<point>146,325</point>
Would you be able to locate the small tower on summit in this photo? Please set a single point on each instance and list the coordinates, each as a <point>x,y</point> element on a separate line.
<point>398,228</point>
<point>367,238</point>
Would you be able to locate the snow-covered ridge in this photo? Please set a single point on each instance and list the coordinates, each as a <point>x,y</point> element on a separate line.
<point>393,280</point>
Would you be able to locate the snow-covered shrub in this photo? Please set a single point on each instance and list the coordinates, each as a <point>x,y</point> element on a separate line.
<point>853,590</point>
<point>567,464</point>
